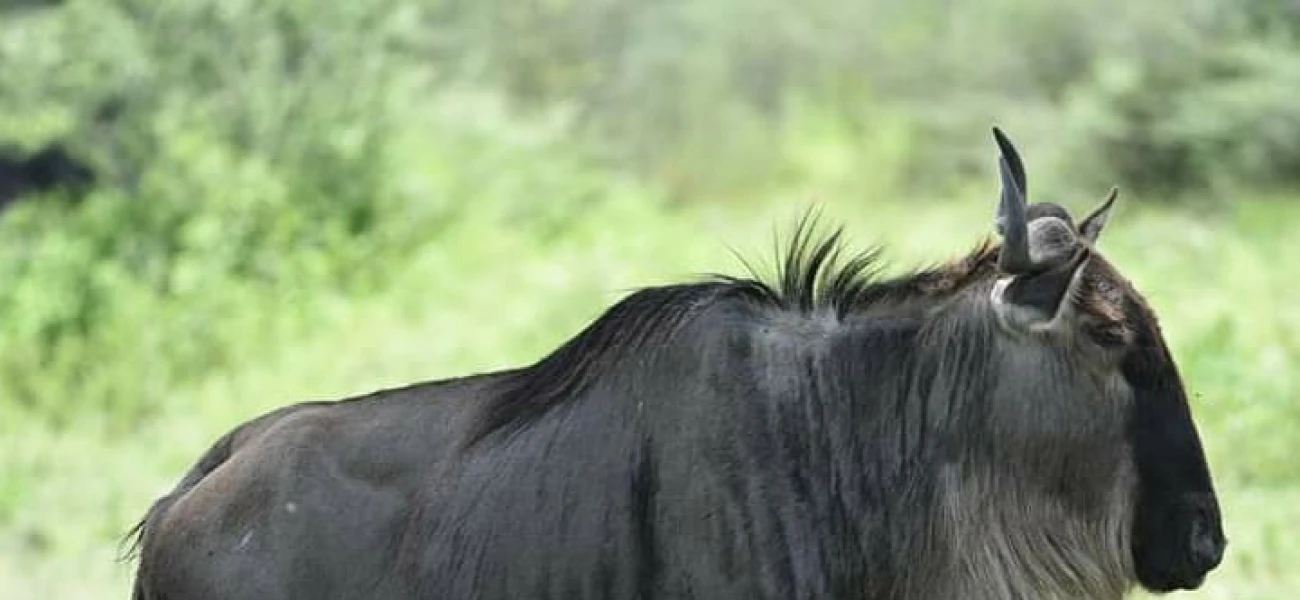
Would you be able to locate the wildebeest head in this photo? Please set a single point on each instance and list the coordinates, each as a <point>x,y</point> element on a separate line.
<point>1080,330</point>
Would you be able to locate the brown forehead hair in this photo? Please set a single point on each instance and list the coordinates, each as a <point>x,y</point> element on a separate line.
<point>1101,301</point>
<point>1103,298</point>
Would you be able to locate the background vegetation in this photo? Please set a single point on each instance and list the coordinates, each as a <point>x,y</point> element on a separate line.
<point>299,199</point>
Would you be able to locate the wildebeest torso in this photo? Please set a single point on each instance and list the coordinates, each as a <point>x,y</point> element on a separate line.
<point>700,463</point>
<point>832,435</point>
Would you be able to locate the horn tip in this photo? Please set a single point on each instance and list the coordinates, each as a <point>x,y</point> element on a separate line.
<point>1111,195</point>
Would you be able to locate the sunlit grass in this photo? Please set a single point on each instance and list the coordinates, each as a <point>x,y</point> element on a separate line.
<point>482,297</point>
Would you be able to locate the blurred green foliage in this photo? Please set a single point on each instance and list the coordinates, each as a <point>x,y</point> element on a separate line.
<point>269,150</point>
<point>1168,97</point>
<point>255,153</point>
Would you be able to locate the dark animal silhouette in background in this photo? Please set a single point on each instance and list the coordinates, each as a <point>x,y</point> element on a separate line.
<point>49,168</point>
<point>19,7</point>
<point>1009,424</point>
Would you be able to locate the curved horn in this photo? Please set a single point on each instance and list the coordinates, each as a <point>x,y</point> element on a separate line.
<point>1014,256</point>
<point>1010,153</point>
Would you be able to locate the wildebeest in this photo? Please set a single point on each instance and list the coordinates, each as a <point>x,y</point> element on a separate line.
<point>1010,424</point>
<point>20,6</point>
<point>49,168</point>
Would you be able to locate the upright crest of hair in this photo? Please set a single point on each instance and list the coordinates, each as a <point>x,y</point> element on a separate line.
<point>813,274</point>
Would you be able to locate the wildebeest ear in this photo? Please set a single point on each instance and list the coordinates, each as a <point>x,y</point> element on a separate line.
<point>1037,300</point>
<point>1091,227</point>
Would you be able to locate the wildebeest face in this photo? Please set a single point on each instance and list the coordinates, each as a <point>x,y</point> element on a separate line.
<point>1060,299</point>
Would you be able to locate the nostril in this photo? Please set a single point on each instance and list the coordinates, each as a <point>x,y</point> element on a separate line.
<point>1219,546</point>
<point>1207,548</point>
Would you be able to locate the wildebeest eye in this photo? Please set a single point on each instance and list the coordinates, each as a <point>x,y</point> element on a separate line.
<point>1101,301</point>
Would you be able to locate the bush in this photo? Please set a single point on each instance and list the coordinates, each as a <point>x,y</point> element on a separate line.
<point>266,159</point>
<point>1208,119</point>
<point>259,158</point>
<point>1164,97</point>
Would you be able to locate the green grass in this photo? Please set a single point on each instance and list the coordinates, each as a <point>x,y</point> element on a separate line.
<point>482,297</point>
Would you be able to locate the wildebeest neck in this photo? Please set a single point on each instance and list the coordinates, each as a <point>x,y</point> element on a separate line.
<point>812,283</point>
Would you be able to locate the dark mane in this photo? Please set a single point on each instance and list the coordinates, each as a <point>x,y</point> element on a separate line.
<point>812,274</point>
<point>645,318</point>
<point>815,274</point>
